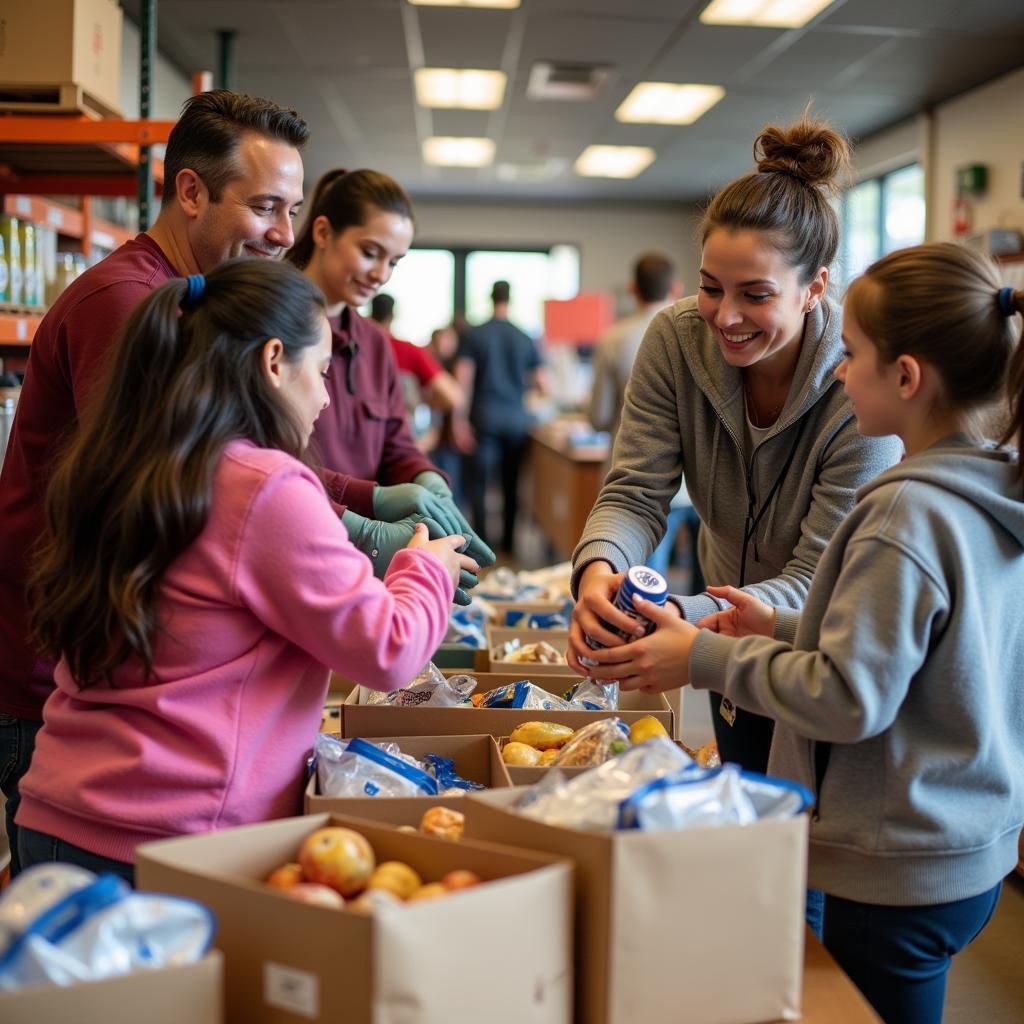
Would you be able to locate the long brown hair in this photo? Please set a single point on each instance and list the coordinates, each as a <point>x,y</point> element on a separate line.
<point>943,303</point>
<point>798,168</point>
<point>346,199</point>
<point>134,487</point>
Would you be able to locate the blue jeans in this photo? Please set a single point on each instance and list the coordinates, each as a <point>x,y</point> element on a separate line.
<point>899,956</point>
<point>40,848</point>
<point>17,741</point>
<point>815,912</point>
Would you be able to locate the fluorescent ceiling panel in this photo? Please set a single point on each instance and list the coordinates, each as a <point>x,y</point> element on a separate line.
<point>764,13</point>
<point>614,161</point>
<point>458,151</point>
<point>466,88</point>
<point>666,103</point>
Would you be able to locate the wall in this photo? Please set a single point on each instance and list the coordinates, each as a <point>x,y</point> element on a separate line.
<point>609,237</point>
<point>170,87</point>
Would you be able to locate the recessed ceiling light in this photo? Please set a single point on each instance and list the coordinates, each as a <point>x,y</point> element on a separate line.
<point>766,13</point>
<point>465,3</point>
<point>666,103</point>
<point>614,161</point>
<point>458,151</point>
<point>455,87</point>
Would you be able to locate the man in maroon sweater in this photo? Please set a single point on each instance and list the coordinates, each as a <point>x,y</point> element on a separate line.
<point>233,185</point>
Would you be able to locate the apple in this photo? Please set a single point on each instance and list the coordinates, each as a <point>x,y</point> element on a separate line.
<point>443,823</point>
<point>337,857</point>
<point>461,878</point>
<point>395,877</point>
<point>316,894</point>
<point>286,876</point>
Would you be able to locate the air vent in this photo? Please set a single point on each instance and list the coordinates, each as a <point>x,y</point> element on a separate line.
<point>551,80</point>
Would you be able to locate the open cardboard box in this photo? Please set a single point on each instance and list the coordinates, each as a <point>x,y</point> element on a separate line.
<point>557,638</point>
<point>501,950</point>
<point>371,720</point>
<point>501,609</point>
<point>166,995</point>
<point>476,758</point>
<point>703,925</point>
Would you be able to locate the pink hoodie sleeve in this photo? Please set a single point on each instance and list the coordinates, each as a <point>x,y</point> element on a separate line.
<point>296,569</point>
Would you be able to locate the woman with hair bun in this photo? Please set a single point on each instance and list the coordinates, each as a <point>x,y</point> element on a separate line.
<point>734,389</point>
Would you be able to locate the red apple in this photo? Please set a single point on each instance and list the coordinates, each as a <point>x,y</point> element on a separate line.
<point>285,877</point>
<point>337,857</point>
<point>317,894</point>
<point>460,879</point>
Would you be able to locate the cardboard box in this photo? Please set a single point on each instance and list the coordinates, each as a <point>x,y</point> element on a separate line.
<point>703,925</point>
<point>558,638</point>
<point>170,995</point>
<point>474,956</point>
<point>462,657</point>
<point>501,608</point>
<point>372,720</point>
<point>476,758</point>
<point>59,43</point>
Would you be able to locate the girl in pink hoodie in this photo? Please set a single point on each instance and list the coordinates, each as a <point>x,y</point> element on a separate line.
<point>197,585</point>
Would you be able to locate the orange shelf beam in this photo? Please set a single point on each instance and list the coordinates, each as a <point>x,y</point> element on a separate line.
<point>18,328</point>
<point>58,130</point>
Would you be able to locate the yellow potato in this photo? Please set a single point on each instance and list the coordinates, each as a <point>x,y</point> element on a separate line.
<point>548,756</point>
<point>395,877</point>
<point>520,754</point>
<point>645,729</point>
<point>542,735</point>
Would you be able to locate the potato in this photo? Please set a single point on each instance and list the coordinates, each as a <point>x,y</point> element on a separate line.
<point>547,757</point>
<point>542,735</point>
<point>520,754</point>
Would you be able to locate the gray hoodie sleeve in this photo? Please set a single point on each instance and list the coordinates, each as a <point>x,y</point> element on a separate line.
<point>875,635</point>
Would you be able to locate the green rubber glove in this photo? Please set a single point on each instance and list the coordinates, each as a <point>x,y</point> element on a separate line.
<point>393,503</point>
<point>476,548</point>
<point>379,541</point>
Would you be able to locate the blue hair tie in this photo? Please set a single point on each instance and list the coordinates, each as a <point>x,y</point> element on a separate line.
<point>1006,304</point>
<point>195,285</point>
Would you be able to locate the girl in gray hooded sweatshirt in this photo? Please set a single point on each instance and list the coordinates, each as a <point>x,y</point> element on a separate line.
<point>898,694</point>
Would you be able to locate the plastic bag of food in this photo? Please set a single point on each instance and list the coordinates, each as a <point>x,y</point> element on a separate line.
<point>521,619</point>
<point>525,695</point>
<point>539,653</point>
<point>592,695</point>
<point>449,782</point>
<point>467,626</point>
<point>591,799</point>
<point>594,744</point>
<point>706,756</point>
<point>429,689</point>
<point>711,797</point>
<point>80,927</point>
<point>360,768</point>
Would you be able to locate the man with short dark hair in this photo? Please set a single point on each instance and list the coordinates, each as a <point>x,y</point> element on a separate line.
<point>496,363</point>
<point>232,187</point>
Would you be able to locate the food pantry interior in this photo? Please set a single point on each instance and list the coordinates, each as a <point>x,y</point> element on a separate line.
<point>493,203</point>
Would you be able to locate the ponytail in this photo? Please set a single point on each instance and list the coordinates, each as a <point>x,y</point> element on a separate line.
<point>134,487</point>
<point>1011,304</point>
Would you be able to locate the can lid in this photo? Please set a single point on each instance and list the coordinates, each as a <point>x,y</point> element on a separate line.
<point>646,583</point>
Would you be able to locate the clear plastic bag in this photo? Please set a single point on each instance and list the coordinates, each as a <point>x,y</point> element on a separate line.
<point>360,768</point>
<point>526,695</point>
<point>429,689</point>
<point>591,799</point>
<point>711,797</point>
<point>591,695</point>
<point>76,928</point>
<point>467,626</point>
<point>594,744</point>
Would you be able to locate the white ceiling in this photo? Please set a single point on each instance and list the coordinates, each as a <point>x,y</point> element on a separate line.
<point>346,66</point>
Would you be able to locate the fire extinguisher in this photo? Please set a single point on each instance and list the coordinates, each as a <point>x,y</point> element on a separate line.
<point>961,216</point>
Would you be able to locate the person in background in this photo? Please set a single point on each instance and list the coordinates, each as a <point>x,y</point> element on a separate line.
<point>653,286</point>
<point>897,694</point>
<point>496,364</point>
<point>197,584</point>
<point>735,390</point>
<point>425,382</point>
<point>233,177</point>
<point>447,448</point>
<point>358,227</point>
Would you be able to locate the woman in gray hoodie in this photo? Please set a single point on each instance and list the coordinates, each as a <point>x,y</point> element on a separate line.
<point>897,694</point>
<point>734,389</point>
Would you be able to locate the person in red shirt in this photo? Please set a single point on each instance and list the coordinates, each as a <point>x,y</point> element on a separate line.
<point>233,177</point>
<point>360,224</point>
<point>425,382</point>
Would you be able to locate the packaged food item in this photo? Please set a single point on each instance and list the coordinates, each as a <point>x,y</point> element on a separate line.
<point>358,767</point>
<point>448,779</point>
<point>524,694</point>
<point>639,581</point>
<point>593,695</point>
<point>706,756</point>
<point>594,744</point>
<point>542,735</point>
<point>539,653</point>
<point>429,689</point>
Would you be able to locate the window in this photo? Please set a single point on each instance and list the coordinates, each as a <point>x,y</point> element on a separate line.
<point>878,216</point>
<point>430,285</point>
